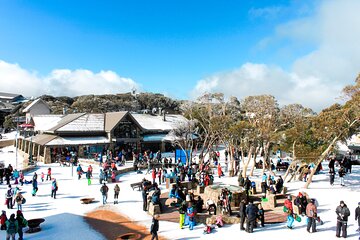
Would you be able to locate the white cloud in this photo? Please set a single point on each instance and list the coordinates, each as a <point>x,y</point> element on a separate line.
<point>267,12</point>
<point>60,82</point>
<point>315,79</point>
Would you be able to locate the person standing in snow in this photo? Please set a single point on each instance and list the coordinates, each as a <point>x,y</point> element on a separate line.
<point>154,228</point>
<point>21,176</point>
<point>88,177</point>
<point>342,212</point>
<point>22,222</point>
<point>341,175</point>
<point>153,175</point>
<point>16,176</point>
<point>251,213</point>
<point>35,185</point>
<point>242,213</point>
<point>116,193</point>
<point>104,191</point>
<point>9,197</point>
<point>19,200</point>
<point>54,188</point>
<point>332,176</point>
<point>12,227</point>
<point>357,216</point>
<point>3,219</point>
<point>101,176</point>
<point>289,207</point>
<point>79,171</point>
<point>48,176</point>
<point>311,213</point>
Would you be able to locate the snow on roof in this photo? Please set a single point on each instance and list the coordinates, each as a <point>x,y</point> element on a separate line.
<point>8,95</point>
<point>46,122</point>
<point>65,120</point>
<point>87,122</point>
<point>37,101</point>
<point>156,123</point>
<point>71,141</point>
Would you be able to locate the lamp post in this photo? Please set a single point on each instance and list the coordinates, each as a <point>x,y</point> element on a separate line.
<point>16,149</point>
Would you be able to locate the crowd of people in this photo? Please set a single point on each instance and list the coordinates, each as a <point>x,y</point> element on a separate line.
<point>188,205</point>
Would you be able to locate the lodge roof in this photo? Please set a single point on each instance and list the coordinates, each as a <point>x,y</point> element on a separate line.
<point>112,119</point>
<point>35,102</point>
<point>9,96</point>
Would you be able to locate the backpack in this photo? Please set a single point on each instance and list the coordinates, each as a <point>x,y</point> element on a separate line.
<point>11,227</point>
<point>23,223</point>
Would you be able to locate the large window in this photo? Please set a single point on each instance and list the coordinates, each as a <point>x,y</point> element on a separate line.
<point>126,129</point>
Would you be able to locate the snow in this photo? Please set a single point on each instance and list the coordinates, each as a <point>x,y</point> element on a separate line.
<point>8,136</point>
<point>64,215</point>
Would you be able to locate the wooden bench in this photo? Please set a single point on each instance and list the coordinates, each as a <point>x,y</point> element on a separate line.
<point>87,200</point>
<point>136,185</point>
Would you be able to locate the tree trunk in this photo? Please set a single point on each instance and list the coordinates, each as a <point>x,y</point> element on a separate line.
<point>254,161</point>
<point>292,166</point>
<point>232,161</point>
<point>321,158</point>
<point>246,164</point>
<point>293,163</point>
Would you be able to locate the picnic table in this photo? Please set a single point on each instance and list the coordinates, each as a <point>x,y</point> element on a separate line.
<point>136,185</point>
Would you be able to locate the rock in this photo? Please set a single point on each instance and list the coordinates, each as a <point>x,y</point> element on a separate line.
<point>169,201</point>
<point>154,209</point>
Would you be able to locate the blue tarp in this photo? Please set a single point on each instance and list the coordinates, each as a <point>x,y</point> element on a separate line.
<point>181,154</point>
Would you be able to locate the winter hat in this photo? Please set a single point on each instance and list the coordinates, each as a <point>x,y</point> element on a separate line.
<point>300,194</point>
<point>342,202</point>
<point>18,212</point>
<point>358,203</point>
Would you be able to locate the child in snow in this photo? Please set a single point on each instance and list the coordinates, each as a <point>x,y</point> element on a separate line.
<point>42,176</point>
<point>219,221</point>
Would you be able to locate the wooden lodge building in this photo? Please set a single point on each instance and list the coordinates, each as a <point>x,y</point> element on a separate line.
<point>88,134</point>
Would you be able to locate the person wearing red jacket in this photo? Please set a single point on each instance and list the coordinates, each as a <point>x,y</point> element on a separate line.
<point>220,172</point>
<point>290,217</point>
<point>48,176</point>
<point>153,175</point>
<point>3,220</point>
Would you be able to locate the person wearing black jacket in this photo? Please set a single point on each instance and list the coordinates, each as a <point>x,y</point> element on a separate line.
<point>144,197</point>
<point>301,202</point>
<point>251,213</point>
<point>342,213</point>
<point>342,173</point>
<point>242,213</point>
<point>332,176</point>
<point>154,227</point>
<point>357,216</point>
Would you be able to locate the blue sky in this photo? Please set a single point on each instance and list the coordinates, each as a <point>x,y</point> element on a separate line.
<point>160,46</point>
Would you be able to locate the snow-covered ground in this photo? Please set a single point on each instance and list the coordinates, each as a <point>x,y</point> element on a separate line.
<point>64,215</point>
<point>8,136</point>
